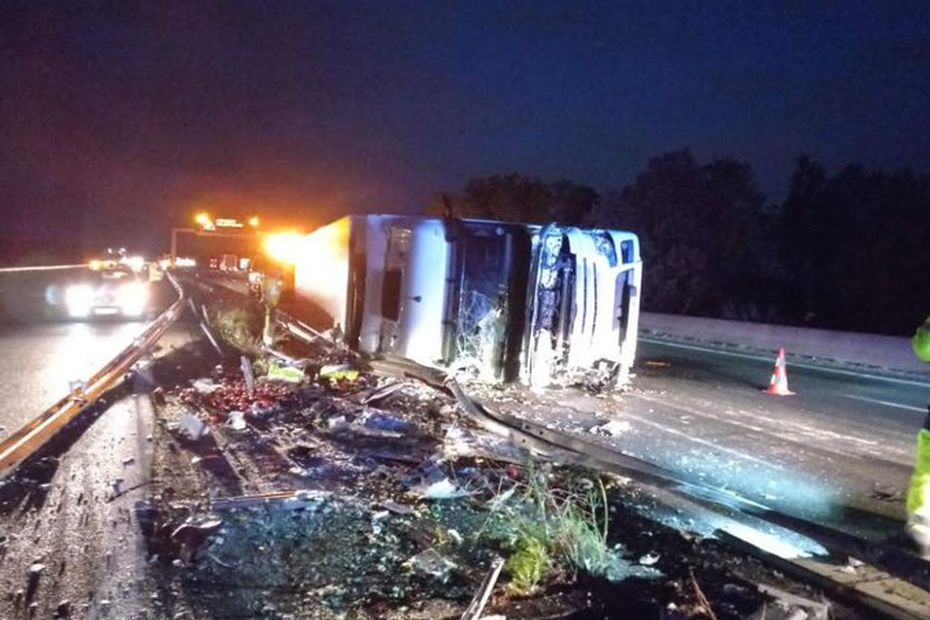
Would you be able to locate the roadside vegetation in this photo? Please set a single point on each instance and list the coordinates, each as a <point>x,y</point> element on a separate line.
<point>715,246</point>
<point>239,327</point>
<point>552,528</point>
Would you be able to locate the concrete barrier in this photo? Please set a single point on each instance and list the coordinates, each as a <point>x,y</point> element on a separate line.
<point>886,352</point>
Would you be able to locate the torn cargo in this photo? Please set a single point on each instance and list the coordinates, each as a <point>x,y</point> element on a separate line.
<point>516,302</point>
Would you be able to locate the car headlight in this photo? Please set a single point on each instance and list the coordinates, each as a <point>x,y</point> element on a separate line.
<point>79,299</point>
<point>133,298</point>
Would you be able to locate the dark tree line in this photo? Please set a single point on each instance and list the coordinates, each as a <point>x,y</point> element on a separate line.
<point>519,198</point>
<point>845,251</point>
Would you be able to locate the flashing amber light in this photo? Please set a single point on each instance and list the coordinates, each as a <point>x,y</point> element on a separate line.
<point>254,221</point>
<point>203,219</point>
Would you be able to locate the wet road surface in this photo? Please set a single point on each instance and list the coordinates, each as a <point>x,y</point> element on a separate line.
<point>39,360</point>
<point>76,514</point>
<point>841,449</point>
<point>838,452</point>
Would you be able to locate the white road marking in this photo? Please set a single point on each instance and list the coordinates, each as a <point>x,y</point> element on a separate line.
<point>785,430</point>
<point>714,446</point>
<point>886,403</point>
<point>795,364</point>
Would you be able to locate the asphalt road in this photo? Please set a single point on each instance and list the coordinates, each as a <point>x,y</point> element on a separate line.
<point>841,449</point>
<point>76,515</point>
<point>838,452</point>
<point>41,352</point>
<point>39,361</point>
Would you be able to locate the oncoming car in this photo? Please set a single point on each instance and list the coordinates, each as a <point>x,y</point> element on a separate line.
<point>111,291</point>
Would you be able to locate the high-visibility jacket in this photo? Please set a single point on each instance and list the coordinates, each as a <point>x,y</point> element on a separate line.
<point>918,494</point>
<point>921,341</point>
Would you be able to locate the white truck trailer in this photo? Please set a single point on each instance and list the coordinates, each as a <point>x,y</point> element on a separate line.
<point>518,302</point>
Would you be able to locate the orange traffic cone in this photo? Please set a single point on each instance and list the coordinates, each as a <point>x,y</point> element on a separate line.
<point>779,382</point>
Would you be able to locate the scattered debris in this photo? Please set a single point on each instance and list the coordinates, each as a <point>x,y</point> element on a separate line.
<point>292,500</point>
<point>383,393</point>
<point>338,372</point>
<point>432,563</point>
<point>702,598</point>
<point>191,427</point>
<point>612,428</point>
<point>498,501</point>
<point>236,420</point>
<point>396,508</point>
<point>193,534</point>
<point>247,375</point>
<point>232,394</point>
<point>211,338</point>
<point>656,364</point>
<point>792,604</point>
<point>397,476</point>
<point>384,422</point>
<point>204,386</point>
<point>442,489</point>
<point>462,442</point>
<point>649,559</point>
<point>287,374</point>
<point>480,601</point>
<point>338,422</point>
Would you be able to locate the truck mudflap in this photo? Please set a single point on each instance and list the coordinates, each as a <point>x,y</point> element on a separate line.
<point>582,306</point>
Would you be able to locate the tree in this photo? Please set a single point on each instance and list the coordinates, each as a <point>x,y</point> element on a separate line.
<point>855,245</point>
<point>697,225</point>
<point>803,228</point>
<point>520,198</point>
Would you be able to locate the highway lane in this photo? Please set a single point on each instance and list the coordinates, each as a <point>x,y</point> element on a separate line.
<point>39,360</point>
<point>877,415</point>
<point>40,353</point>
<point>78,517</point>
<point>76,513</point>
<point>839,452</point>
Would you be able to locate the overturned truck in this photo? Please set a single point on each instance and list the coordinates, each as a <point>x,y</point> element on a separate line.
<point>517,302</point>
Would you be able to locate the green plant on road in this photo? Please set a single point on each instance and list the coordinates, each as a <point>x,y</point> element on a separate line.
<point>550,528</point>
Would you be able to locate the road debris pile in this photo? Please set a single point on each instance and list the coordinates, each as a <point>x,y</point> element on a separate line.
<point>300,483</point>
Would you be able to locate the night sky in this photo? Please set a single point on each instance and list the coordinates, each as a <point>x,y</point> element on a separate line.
<point>123,119</point>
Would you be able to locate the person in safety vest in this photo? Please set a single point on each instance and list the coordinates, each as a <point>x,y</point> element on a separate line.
<point>918,495</point>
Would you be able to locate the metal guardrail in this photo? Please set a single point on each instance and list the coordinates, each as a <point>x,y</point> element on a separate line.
<point>27,440</point>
